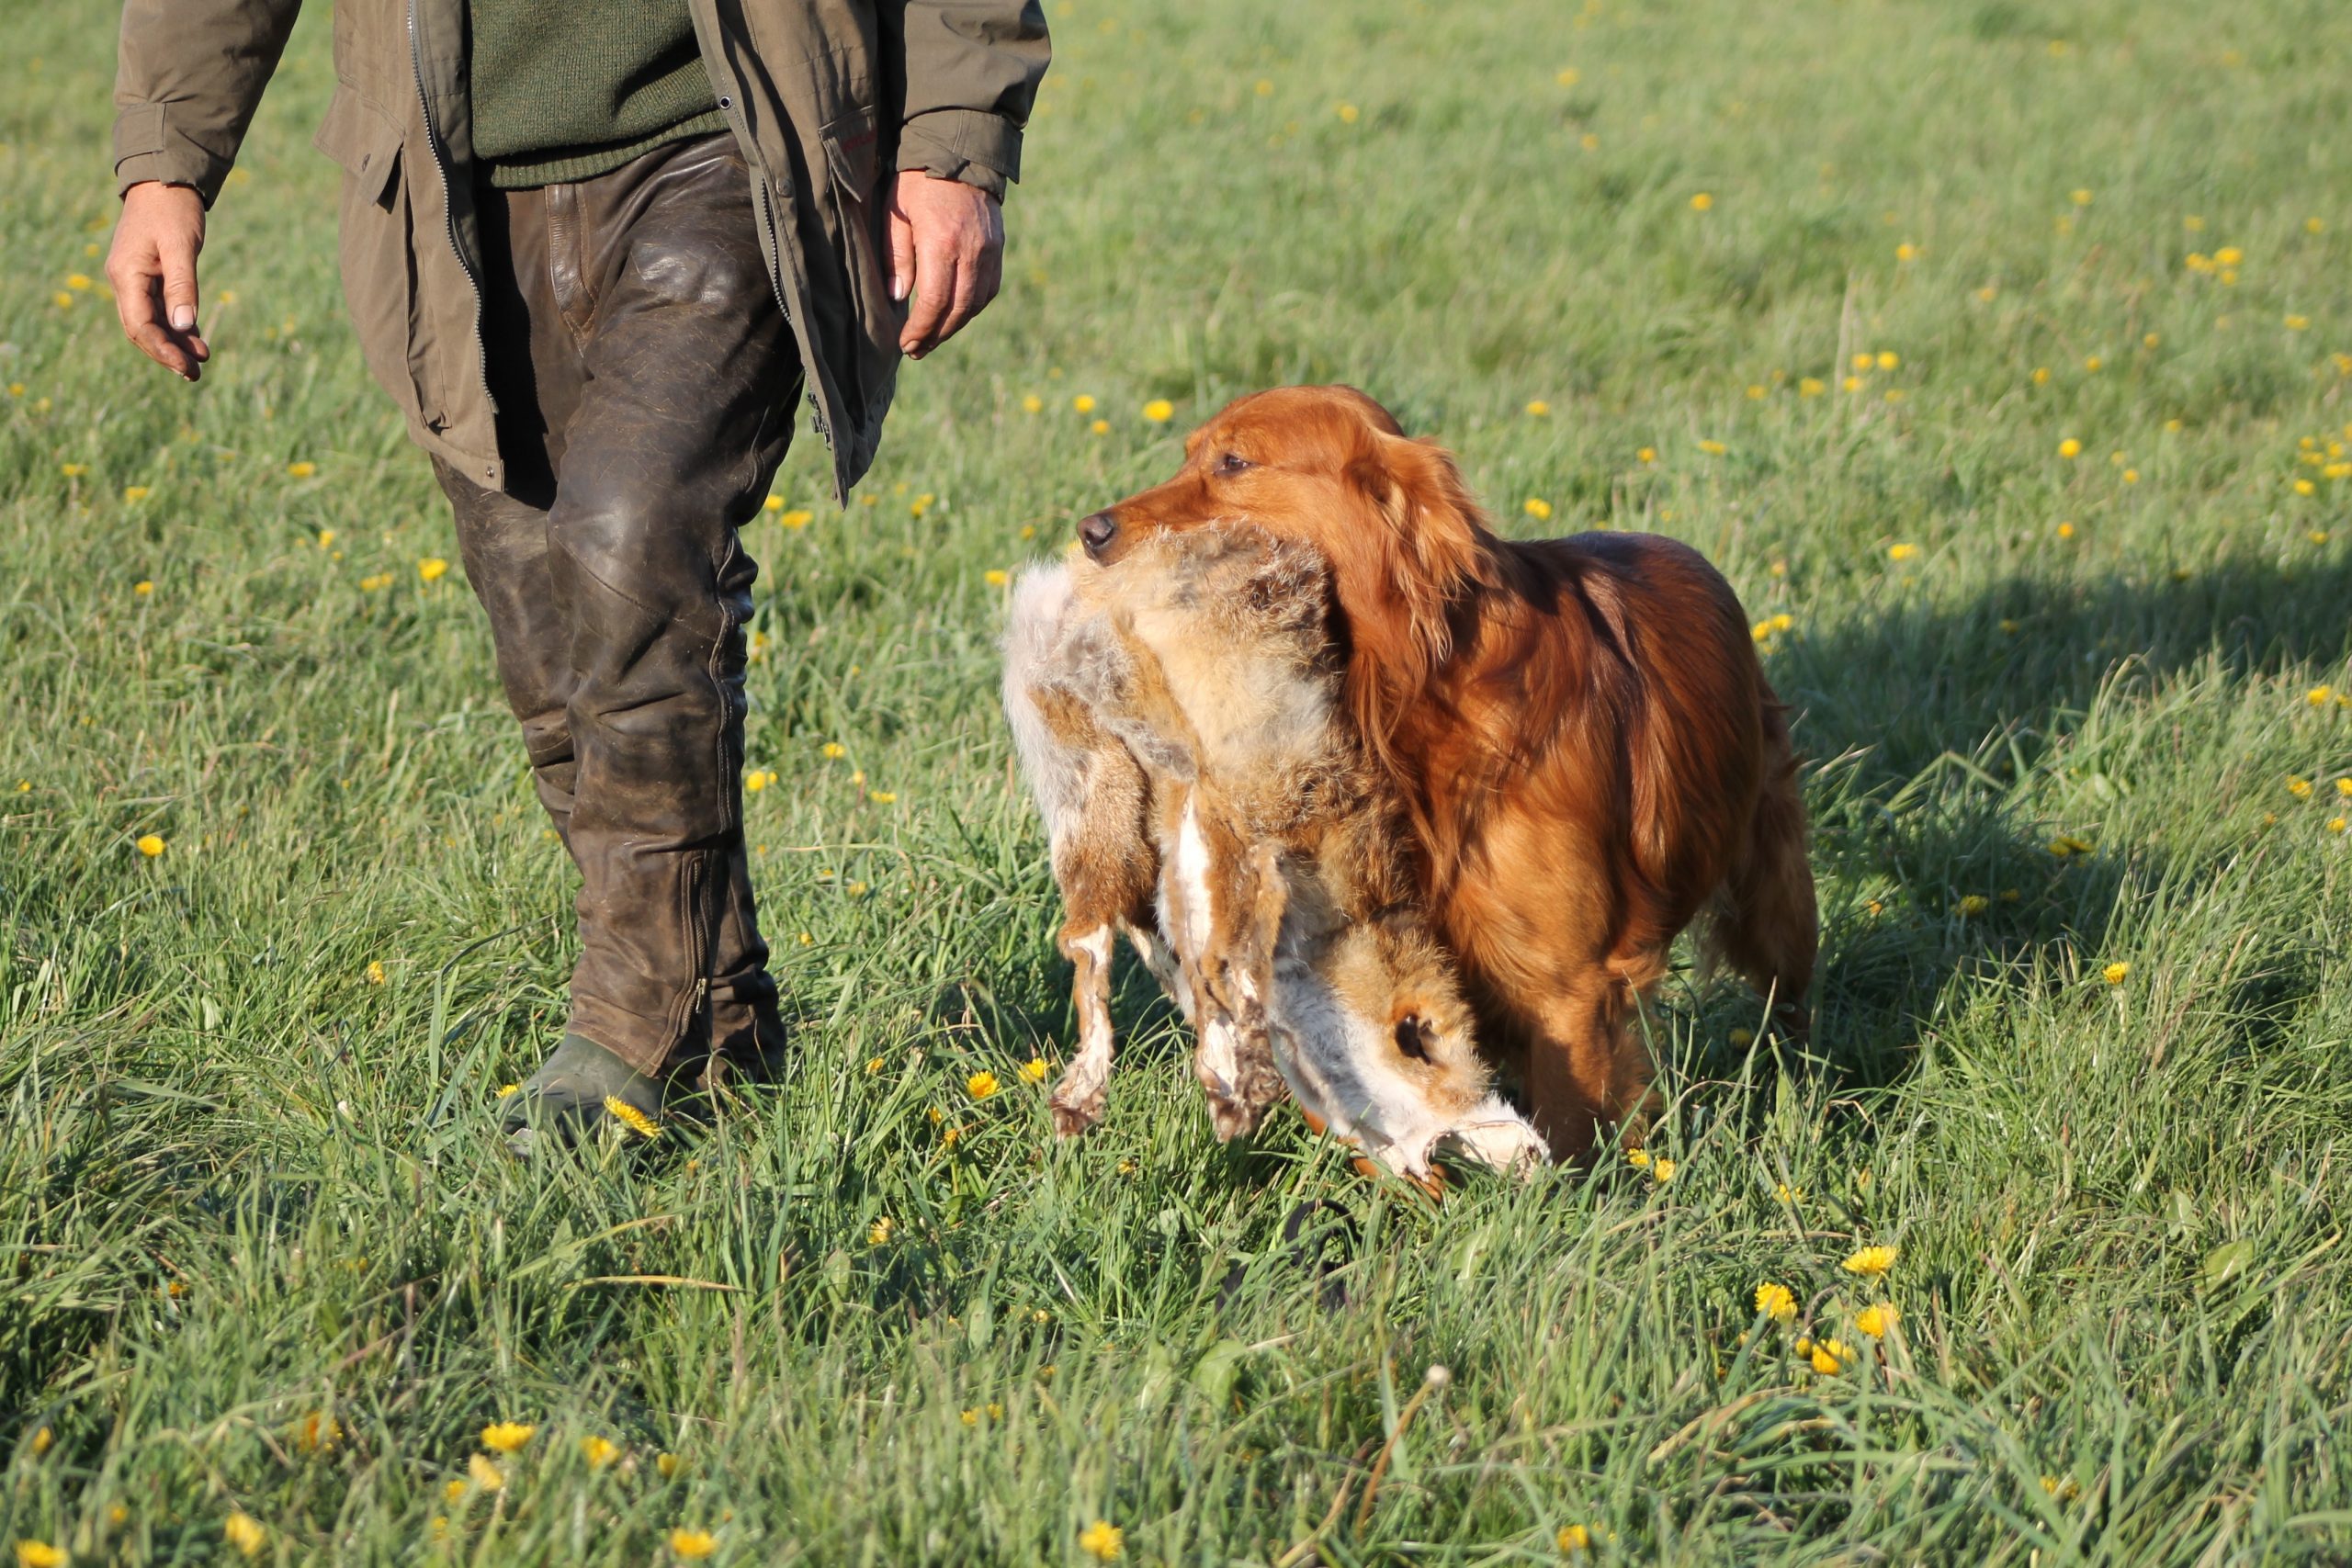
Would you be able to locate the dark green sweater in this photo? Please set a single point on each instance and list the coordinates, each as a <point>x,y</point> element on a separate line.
<point>563,92</point>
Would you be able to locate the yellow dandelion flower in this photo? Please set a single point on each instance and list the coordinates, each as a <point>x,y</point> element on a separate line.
<point>151,844</point>
<point>301,470</point>
<point>2065,530</point>
<point>245,1532</point>
<point>1783,1191</point>
<point>2229,256</point>
<point>432,568</point>
<point>2041,376</point>
<point>2066,845</point>
<point>73,471</point>
<point>1902,552</point>
<point>630,1117</point>
<point>2300,788</point>
<point>2344,786</point>
<point>1852,383</point>
<point>2070,448</point>
<point>693,1544</point>
<point>1757,392</point>
<point>1906,251</point>
<point>2079,198</point>
<point>507,1436</point>
<point>1974,904</point>
<point>1742,1037</point>
<point>1588,141</point>
<point>1888,359</point>
<point>2305,487</point>
<point>2298,323</point>
<point>1034,1070</point>
<point>1712,448</point>
<point>1871,1261</point>
<point>1646,455</point>
<point>1573,1538</point>
<point>1988,294</point>
<point>2094,363</point>
<point>1811,387</point>
<point>2065,1488</point>
<point>40,1554</point>
<point>883,796</point>
<point>1701,202</point>
<point>317,1431</point>
<point>2193,223</point>
<point>1776,1302</point>
<point>1347,113</point>
<point>797,520</point>
<point>134,494</point>
<point>1082,403</point>
<point>1638,1158</point>
<point>969,1417</point>
<point>1159,411</point>
<point>453,1491</point>
<point>1876,1319</point>
<point>1032,403</point>
<point>1864,361</point>
<point>1100,428</point>
<point>1538,408</point>
<point>1263,89</point>
<point>1831,1356</point>
<point>2114,974</point>
<point>2335,824</point>
<point>834,750</point>
<point>61,299</point>
<point>1103,1541</point>
<point>2313,226</point>
<point>1662,1170</point>
<point>879,1231</point>
<point>508,1091</point>
<point>1571,76</point>
<point>996,578</point>
<point>1537,507</point>
<point>981,1085</point>
<point>2131,476</point>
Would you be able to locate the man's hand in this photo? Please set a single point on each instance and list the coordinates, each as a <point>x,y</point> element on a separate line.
<point>152,269</point>
<point>947,250</point>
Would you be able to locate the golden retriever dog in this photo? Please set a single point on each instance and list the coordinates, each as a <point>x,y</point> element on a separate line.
<point>1181,719</point>
<point>1575,731</point>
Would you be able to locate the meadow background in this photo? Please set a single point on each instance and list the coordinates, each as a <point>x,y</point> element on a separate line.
<point>1830,288</point>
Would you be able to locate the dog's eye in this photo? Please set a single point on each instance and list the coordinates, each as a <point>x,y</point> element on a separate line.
<point>1232,463</point>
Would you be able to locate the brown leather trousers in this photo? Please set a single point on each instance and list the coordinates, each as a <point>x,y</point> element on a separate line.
<point>645,382</point>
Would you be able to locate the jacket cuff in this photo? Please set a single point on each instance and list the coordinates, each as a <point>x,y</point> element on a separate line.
<point>971,145</point>
<point>147,147</point>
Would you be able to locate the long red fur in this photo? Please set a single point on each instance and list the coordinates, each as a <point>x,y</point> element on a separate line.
<point>1579,728</point>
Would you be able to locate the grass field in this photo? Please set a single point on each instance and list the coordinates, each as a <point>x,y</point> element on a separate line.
<point>1831,290</point>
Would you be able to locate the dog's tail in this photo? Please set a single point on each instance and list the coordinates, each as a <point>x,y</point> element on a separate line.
<point>1765,922</point>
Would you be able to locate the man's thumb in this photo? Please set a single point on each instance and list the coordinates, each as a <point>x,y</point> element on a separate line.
<point>903,256</point>
<point>179,286</point>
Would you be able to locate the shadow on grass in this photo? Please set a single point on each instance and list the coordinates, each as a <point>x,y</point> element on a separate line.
<point>1931,715</point>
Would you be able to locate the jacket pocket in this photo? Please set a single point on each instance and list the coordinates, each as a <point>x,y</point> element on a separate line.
<point>861,222</point>
<point>376,246</point>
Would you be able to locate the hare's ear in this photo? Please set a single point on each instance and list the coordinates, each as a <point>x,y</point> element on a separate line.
<point>1430,547</point>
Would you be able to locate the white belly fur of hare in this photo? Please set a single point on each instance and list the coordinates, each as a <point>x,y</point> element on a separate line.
<point>1134,866</point>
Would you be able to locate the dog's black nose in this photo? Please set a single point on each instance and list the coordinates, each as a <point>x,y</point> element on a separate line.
<point>1097,532</point>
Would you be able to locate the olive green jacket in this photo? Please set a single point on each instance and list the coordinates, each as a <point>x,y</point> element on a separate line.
<point>827,96</point>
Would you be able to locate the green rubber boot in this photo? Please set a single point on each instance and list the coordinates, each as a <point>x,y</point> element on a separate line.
<point>579,1088</point>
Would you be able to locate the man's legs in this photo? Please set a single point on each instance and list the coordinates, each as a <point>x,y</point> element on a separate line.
<point>645,382</point>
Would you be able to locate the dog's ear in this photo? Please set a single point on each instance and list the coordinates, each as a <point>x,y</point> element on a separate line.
<point>1400,595</point>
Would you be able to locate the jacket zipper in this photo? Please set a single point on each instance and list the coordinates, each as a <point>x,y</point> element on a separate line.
<point>449,210</point>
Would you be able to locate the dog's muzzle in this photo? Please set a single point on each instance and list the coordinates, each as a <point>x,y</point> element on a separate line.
<point>1097,532</point>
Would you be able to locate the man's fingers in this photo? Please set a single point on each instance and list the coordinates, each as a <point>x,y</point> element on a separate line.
<point>935,285</point>
<point>138,300</point>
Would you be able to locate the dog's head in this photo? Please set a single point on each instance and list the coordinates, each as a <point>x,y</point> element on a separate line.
<point>1329,468</point>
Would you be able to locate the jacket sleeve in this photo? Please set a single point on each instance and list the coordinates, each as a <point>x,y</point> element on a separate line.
<point>186,82</point>
<point>972,69</point>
